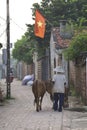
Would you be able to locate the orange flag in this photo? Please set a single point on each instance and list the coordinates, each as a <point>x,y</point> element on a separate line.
<point>39,29</point>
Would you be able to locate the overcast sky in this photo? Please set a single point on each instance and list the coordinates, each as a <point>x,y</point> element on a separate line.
<point>20,14</point>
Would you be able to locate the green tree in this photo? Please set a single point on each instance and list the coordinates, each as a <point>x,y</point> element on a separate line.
<point>53,11</point>
<point>77,45</point>
<point>23,50</point>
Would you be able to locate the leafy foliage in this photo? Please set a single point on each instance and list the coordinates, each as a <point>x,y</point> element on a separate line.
<point>53,11</point>
<point>23,50</point>
<point>77,45</point>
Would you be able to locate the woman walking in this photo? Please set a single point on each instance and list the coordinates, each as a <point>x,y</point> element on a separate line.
<point>59,81</point>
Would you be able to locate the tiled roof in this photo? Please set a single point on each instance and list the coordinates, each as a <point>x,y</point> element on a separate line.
<point>60,43</point>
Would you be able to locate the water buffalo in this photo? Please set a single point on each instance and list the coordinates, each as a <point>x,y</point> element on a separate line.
<point>39,88</point>
<point>49,87</point>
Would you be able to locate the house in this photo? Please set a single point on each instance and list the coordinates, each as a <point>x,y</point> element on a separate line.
<point>54,57</point>
<point>57,45</point>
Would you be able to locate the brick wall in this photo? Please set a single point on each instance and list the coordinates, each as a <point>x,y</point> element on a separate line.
<point>78,79</point>
<point>72,73</point>
<point>24,69</point>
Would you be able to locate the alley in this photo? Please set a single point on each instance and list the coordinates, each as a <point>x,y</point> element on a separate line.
<point>19,112</point>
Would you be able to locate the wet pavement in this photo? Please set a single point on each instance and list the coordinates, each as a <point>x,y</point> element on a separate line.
<point>19,113</point>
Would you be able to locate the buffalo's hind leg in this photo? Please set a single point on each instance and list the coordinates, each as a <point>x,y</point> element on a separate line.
<point>37,104</point>
<point>41,103</point>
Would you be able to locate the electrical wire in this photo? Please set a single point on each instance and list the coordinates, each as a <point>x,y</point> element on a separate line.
<point>17,24</point>
<point>2,18</point>
<point>2,33</point>
<point>13,22</point>
<point>2,25</point>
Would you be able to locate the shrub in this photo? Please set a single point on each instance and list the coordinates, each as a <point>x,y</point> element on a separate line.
<point>77,45</point>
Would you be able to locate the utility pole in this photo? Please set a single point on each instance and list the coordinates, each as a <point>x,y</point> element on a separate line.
<point>8,52</point>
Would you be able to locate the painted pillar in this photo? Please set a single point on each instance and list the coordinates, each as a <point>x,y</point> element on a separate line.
<point>52,48</point>
<point>35,56</point>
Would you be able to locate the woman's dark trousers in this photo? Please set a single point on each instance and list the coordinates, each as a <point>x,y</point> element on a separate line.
<point>58,97</point>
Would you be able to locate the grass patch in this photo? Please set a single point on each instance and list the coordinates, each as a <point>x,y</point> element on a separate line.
<point>72,91</point>
<point>9,98</point>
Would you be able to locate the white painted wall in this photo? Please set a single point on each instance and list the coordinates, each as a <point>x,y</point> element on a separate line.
<point>52,53</point>
<point>35,56</point>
